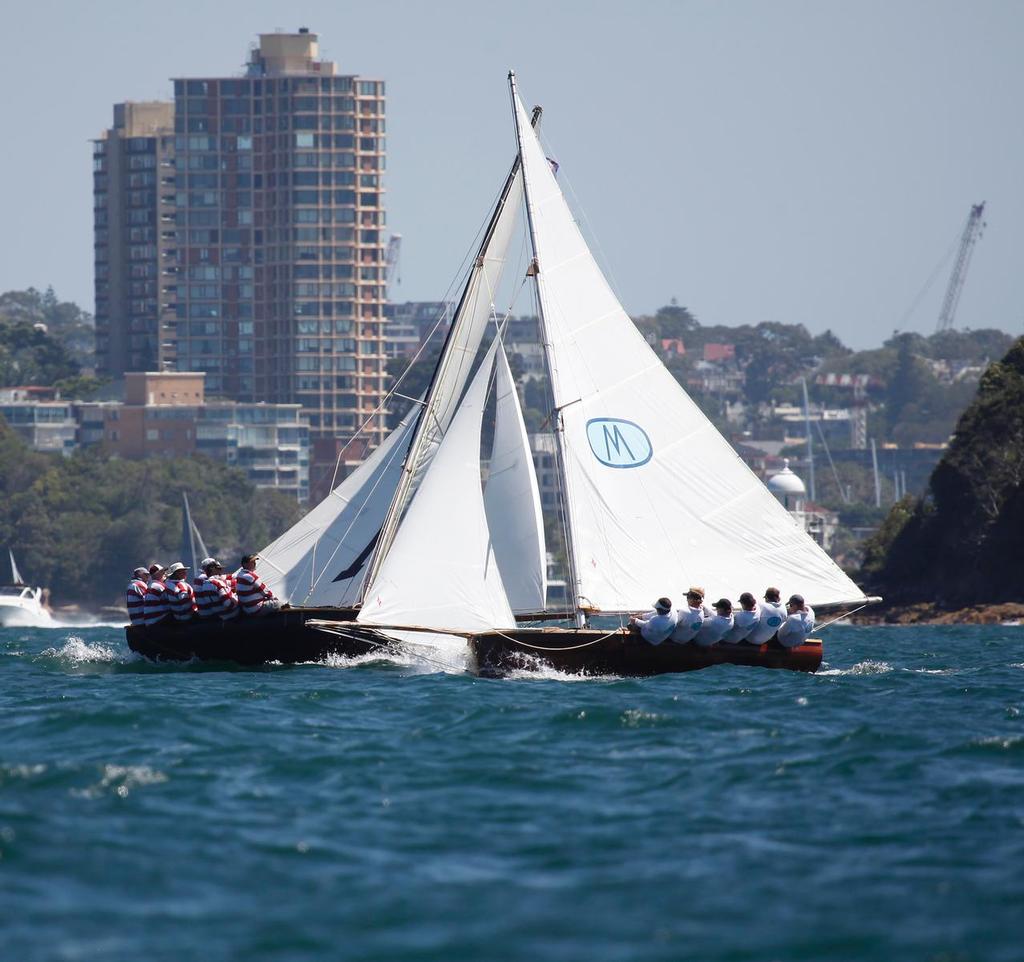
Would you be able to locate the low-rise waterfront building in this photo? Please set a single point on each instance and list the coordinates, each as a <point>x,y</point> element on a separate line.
<point>43,425</point>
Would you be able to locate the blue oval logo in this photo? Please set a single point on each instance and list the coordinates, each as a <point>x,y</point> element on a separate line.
<point>619,444</point>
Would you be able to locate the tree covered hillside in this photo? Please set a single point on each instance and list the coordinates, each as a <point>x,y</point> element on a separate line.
<point>961,543</point>
<point>81,524</point>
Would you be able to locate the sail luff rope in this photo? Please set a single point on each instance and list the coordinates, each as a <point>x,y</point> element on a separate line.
<point>574,576</point>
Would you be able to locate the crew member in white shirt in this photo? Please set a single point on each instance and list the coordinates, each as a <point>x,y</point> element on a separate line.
<point>717,626</point>
<point>743,620</point>
<point>799,623</point>
<point>771,615</point>
<point>656,626</point>
<point>690,617</point>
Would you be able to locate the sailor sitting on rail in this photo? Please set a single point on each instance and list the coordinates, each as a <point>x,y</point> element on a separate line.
<point>691,617</point>
<point>771,615</point>
<point>181,598</point>
<point>154,605</point>
<point>799,623</point>
<point>214,595</point>
<point>656,626</point>
<point>135,595</point>
<point>254,596</point>
<point>744,620</point>
<point>717,626</point>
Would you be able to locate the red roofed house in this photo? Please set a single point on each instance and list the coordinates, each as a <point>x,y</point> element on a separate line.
<point>719,352</point>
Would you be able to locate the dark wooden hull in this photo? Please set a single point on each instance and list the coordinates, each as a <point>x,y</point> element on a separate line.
<point>282,636</point>
<point>589,651</point>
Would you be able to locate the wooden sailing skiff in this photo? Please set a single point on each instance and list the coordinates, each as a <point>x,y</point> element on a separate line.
<point>653,497</point>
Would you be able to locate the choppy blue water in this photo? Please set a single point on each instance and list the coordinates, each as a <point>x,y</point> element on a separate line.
<point>389,810</point>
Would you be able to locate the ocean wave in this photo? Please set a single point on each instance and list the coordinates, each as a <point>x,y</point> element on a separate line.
<point>75,651</point>
<point>868,667</point>
<point>121,780</point>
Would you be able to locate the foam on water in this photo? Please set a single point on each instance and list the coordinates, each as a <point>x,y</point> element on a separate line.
<point>121,780</point>
<point>75,651</point>
<point>867,667</point>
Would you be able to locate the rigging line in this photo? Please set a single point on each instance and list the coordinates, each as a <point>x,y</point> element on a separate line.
<point>840,618</point>
<point>586,644</point>
<point>832,464</point>
<point>456,281</point>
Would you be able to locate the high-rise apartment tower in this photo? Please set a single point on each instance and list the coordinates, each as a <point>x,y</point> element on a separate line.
<point>135,239</point>
<point>278,263</point>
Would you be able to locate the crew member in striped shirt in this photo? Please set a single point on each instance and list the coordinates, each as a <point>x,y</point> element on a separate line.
<point>253,595</point>
<point>214,594</point>
<point>154,605</point>
<point>135,594</point>
<point>180,596</point>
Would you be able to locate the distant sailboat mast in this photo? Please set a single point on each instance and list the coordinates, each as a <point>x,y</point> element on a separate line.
<point>15,573</point>
<point>557,426</point>
<point>439,404</point>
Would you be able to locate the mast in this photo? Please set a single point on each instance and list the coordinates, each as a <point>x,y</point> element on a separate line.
<point>534,271</point>
<point>427,411</point>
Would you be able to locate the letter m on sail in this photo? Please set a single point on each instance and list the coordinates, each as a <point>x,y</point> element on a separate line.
<point>617,443</point>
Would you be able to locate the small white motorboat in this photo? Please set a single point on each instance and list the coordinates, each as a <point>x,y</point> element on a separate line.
<point>21,605</point>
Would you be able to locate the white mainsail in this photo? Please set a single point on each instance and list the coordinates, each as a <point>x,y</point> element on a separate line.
<point>512,500</point>
<point>321,559</point>
<point>656,497</point>
<point>441,572</point>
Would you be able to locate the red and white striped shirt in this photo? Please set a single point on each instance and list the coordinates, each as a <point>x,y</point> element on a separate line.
<point>181,600</point>
<point>214,597</point>
<point>134,595</point>
<point>252,592</point>
<point>154,606</point>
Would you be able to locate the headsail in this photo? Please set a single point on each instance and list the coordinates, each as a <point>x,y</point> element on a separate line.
<point>475,311</point>
<point>322,558</point>
<point>512,500</point>
<point>441,572</point>
<point>656,497</point>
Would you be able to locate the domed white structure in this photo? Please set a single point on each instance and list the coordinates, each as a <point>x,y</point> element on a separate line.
<point>787,487</point>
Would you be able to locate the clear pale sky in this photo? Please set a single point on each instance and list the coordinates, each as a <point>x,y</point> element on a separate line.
<point>795,161</point>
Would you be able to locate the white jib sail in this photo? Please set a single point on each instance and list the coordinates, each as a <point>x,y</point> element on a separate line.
<point>321,559</point>
<point>658,499</point>
<point>512,500</point>
<point>441,572</point>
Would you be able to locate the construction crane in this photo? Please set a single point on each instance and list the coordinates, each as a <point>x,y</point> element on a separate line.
<point>972,232</point>
<point>391,260</point>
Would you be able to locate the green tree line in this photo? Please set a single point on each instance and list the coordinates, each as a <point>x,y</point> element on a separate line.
<point>961,543</point>
<point>81,524</point>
